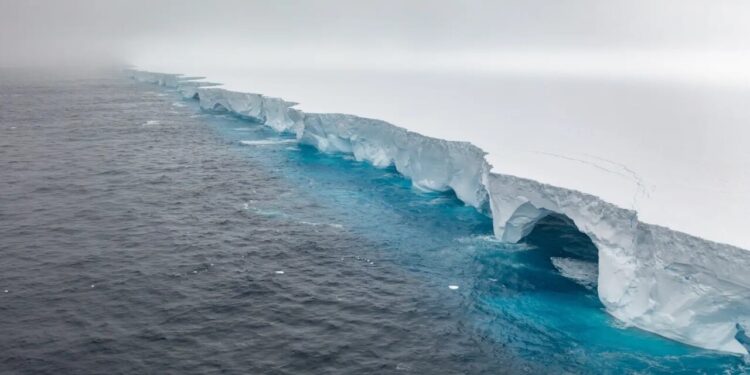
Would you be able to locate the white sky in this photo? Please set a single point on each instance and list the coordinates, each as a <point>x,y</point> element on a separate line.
<point>604,37</point>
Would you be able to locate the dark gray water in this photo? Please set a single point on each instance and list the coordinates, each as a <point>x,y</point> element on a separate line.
<point>141,235</point>
<point>127,248</point>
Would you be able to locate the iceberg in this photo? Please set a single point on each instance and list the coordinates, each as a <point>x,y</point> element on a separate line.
<point>661,280</point>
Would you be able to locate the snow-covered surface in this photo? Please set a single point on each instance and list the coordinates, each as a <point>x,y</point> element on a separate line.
<point>610,159</point>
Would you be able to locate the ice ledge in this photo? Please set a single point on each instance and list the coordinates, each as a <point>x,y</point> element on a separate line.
<point>676,285</point>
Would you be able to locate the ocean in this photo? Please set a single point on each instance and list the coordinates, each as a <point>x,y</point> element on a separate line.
<point>143,235</point>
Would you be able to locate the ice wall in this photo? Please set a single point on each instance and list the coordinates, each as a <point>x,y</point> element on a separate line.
<point>273,112</point>
<point>679,286</point>
<point>431,164</point>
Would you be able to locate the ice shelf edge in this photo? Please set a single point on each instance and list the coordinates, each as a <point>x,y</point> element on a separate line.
<point>676,285</point>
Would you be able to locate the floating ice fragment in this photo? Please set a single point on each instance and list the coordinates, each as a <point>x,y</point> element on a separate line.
<point>267,142</point>
<point>582,272</point>
<point>332,225</point>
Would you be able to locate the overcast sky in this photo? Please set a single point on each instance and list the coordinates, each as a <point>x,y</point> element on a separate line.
<point>698,37</point>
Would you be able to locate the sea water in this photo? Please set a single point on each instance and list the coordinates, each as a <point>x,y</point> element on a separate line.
<point>143,235</point>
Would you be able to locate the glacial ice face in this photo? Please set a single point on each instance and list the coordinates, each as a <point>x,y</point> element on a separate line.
<point>189,89</point>
<point>187,86</point>
<point>431,164</point>
<point>676,285</point>
<point>688,289</point>
<point>667,282</point>
<point>273,112</point>
<point>518,204</point>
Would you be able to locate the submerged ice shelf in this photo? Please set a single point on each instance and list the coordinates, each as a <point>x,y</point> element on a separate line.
<point>671,283</point>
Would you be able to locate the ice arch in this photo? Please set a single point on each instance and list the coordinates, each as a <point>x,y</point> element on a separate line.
<point>681,287</point>
<point>559,246</point>
<point>517,204</point>
<point>560,237</point>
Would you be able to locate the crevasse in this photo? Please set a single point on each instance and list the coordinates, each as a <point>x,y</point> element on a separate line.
<point>679,286</point>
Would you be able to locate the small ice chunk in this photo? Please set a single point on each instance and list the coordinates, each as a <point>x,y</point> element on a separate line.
<point>267,142</point>
<point>582,272</point>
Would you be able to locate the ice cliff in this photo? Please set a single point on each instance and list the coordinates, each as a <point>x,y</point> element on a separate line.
<point>671,283</point>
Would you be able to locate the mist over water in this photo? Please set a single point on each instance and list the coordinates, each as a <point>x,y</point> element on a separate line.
<point>683,40</point>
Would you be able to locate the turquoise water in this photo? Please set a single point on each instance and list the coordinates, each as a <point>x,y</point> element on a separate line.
<point>510,295</point>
